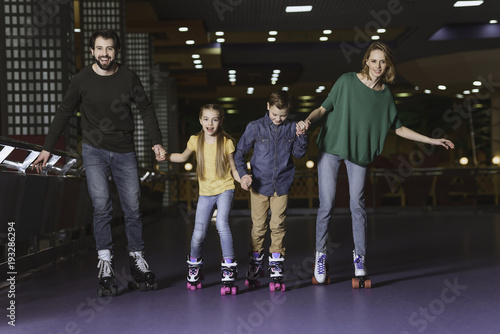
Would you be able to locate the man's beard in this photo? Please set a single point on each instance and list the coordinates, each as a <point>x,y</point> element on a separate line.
<point>105,68</point>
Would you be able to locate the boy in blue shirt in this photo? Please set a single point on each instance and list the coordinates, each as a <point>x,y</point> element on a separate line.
<point>274,139</point>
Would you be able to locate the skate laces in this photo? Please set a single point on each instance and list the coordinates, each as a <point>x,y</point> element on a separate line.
<point>105,268</point>
<point>141,263</point>
<point>321,264</point>
<point>358,261</point>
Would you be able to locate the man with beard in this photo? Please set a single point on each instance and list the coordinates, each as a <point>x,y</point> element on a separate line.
<point>104,93</point>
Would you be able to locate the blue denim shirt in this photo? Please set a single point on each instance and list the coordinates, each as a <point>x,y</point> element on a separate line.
<point>273,145</point>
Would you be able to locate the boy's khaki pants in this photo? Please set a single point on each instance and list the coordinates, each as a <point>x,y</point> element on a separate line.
<point>260,206</point>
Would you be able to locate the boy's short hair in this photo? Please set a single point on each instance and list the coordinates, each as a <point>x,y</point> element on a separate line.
<point>281,99</point>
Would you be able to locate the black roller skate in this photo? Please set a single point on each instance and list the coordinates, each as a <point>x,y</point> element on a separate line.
<point>106,274</point>
<point>276,272</point>
<point>143,278</point>
<point>195,275</point>
<point>229,272</point>
<point>255,270</point>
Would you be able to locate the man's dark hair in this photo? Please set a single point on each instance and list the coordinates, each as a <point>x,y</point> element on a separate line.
<point>106,34</point>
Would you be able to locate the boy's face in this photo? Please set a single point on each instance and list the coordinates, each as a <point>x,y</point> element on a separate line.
<point>276,115</point>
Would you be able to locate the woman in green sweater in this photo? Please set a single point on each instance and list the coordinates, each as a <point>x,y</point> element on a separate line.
<point>360,112</point>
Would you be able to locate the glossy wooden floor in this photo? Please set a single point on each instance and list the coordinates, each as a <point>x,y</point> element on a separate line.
<point>433,272</point>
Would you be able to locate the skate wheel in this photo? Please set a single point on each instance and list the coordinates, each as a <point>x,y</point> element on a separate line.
<point>114,290</point>
<point>355,283</point>
<point>234,290</point>
<point>143,286</point>
<point>272,287</point>
<point>247,283</point>
<point>131,286</point>
<point>225,290</point>
<point>188,286</point>
<point>154,286</point>
<point>99,292</point>
<point>368,283</point>
<point>198,286</point>
<point>327,281</point>
<point>314,280</point>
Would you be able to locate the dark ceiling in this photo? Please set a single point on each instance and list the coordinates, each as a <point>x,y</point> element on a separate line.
<point>424,34</point>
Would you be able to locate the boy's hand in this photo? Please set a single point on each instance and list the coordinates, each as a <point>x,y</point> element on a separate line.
<point>160,153</point>
<point>246,182</point>
<point>302,127</point>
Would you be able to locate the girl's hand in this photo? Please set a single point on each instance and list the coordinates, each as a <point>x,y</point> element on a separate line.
<point>447,144</point>
<point>246,182</point>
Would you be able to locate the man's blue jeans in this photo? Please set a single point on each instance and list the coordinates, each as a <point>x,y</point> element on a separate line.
<point>328,168</point>
<point>204,212</point>
<point>99,164</point>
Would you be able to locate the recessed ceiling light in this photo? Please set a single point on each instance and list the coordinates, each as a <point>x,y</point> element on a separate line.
<point>190,42</point>
<point>220,40</point>
<point>271,39</point>
<point>276,71</point>
<point>323,38</point>
<point>477,83</point>
<point>381,31</point>
<point>198,66</point>
<point>475,90</point>
<point>80,30</point>
<point>197,61</point>
<point>232,79</point>
<point>460,96</point>
<point>298,9</point>
<point>327,32</point>
<point>468,3</point>
<point>219,33</point>
<point>491,22</point>
<point>231,71</point>
<point>273,33</point>
<point>285,88</point>
<point>375,37</point>
<point>467,92</point>
<point>183,29</point>
<point>427,91</point>
<point>442,87</point>
<point>232,75</point>
<point>195,56</point>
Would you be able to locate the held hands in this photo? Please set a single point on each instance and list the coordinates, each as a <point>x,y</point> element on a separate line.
<point>246,182</point>
<point>160,153</point>
<point>40,161</point>
<point>302,127</point>
<point>447,144</point>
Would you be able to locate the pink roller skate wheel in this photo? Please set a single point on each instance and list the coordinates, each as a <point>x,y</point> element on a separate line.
<point>272,287</point>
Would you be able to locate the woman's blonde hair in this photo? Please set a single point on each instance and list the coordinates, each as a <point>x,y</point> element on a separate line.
<point>390,71</point>
<point>221,159</point>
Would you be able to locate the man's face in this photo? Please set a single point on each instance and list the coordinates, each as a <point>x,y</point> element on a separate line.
<point>104,53</point>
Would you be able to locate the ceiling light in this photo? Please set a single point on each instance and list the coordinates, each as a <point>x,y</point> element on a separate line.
<point>427,91</point>
<point>80,30</point>
<point>183,29</point>
<point>197,61</point>
<point>198,66</point>
<point>273,82</point>
<point>232,111</point>
<point>466,92</point>
<point>219,33</point>
<point>463,161</point>
<point>323,38</point>
<point>276,71</point>
<point>381,31</point>
<point>318,90</point>
<point>271,39</point>
<point>275,75</point>
<point>232,72</point>
<point>491,22</point>
<point>417,88</point>
<point>459,96</point>
<point>232,79</point>
<point>327,32</point>
<point>189,42</point>
<point>468,3</point>
<point>285,89</point>
<point>273,33</point>
<point>477,83</point>
<point>321,87</point>
<point>442,87</point>
<point>298,9</point>
<point>232,75</point>
<point>195,56</point>
<point>375,37</point>
<point>220,40</point>
<point>475,90</point>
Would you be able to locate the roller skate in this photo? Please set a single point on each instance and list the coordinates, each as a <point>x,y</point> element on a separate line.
<point>194,276</point>
<point>106,274</point>
<point>229,272</point>
<point>143,278</point>
<point>276,272</point>
<point>255,270</point>
<point>320,269</point>
<point>361,280</point>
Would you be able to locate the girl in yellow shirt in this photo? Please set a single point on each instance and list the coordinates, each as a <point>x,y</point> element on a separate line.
<point>214,150</point>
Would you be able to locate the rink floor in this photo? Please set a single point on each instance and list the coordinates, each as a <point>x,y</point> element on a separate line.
<point>432,272</point>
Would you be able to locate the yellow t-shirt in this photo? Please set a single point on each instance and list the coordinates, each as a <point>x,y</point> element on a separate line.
<point>212,185</point>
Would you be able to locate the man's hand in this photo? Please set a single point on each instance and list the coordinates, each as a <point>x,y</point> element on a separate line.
<point>40,161</point>
<point>160,153</point>
<point>246,182</point>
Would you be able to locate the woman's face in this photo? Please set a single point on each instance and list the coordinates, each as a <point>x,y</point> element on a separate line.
<point>376,64</point>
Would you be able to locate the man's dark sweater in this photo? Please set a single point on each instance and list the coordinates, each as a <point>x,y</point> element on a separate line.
<point>105,105</point>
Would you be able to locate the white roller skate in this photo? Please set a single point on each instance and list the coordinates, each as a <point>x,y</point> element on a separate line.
<point>143,277</point>
<point>229,272</point>
<point>106,274</point>
<point>195,275</point>
<point>361,280</point>
<point>320,269</point>
<point>276,272</point>
<point>255,270</point>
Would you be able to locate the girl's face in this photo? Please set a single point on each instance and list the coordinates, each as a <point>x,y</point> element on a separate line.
<point>376,64</point>
<point>210,122</point>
